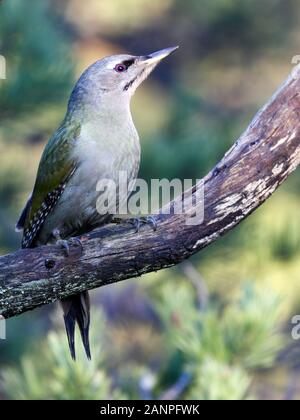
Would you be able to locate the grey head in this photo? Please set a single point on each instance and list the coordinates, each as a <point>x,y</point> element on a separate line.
<point>111,81</point>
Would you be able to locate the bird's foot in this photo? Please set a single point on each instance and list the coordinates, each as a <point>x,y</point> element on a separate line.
<point>66,244</point>
<point>137,222</point>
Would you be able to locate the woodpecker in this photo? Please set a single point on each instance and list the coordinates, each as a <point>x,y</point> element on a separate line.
<point>96,140</point>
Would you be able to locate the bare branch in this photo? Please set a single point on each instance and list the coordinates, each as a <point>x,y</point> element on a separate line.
<point>259,161</point>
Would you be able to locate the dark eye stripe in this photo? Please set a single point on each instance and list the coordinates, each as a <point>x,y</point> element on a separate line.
<point>128,63</point>
<point>124,65</point>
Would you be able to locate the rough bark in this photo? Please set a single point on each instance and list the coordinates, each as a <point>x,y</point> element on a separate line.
<point>259,161</point>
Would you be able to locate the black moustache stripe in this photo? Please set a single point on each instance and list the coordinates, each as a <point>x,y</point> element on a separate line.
<point>129,84</point>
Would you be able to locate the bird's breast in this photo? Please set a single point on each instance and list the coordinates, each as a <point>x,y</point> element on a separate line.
<point>101,155</point>
<point>103,150</point>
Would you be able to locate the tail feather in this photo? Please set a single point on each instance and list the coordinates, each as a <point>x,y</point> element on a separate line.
<point>83,321</point>
<point>70,329</point>
<point>77,309</point>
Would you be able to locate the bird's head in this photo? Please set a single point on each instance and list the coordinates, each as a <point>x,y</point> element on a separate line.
<point>116,76</point>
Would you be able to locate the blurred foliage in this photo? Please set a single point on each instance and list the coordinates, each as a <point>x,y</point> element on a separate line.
<point>216,381</point>
<point>49,372</point>
<point>219,348</point>
<point>39,68</point>
<point>39,75</point>
<point>233,56</point>
<point>185,135</point>
<point>243,332</point>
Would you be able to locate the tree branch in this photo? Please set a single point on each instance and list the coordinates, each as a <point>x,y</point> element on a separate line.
<point>260,160</point>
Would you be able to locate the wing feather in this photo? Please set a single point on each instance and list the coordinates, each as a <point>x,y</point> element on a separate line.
<point>20,223</point>
<point>55,169</point>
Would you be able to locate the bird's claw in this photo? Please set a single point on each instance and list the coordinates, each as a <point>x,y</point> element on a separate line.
<point>76,241</point>
<point>145,220</point>
<point>66,243</point>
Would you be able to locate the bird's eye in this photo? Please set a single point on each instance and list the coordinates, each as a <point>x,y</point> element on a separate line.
<point>120,68</point>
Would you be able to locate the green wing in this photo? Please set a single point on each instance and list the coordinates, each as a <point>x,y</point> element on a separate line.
<point>55,169</point>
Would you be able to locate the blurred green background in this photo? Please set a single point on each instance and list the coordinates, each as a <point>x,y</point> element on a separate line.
<point>218,326</point>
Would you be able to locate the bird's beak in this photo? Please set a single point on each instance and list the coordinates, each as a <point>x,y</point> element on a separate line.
<point>157,56</point>
<point>145,64</point>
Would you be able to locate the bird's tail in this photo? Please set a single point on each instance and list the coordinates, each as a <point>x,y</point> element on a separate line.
<point>77,309</point>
